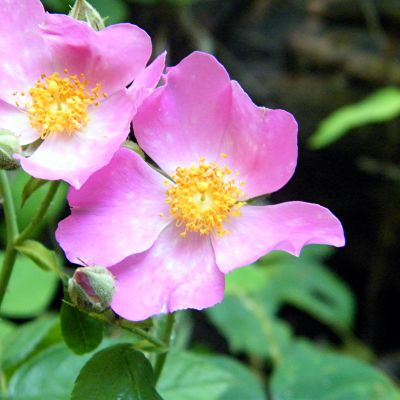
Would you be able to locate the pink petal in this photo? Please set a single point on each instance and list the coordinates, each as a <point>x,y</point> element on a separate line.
<point>185,119</point>
<point>287,226</point>
<point>116,212</point>
<point>14,120</point>
<point>147,80</point>
<point>74,158</point>
<point>176,273</point>
<point>261,145</point>
<point>150,76</point>
<point>112,57</point>
<point>22,51</point>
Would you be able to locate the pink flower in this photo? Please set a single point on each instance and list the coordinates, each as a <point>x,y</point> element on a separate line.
<point>169,241</point>
<point>63,85</point>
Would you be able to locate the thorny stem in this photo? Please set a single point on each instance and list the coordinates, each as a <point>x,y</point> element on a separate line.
<point>160,360</point>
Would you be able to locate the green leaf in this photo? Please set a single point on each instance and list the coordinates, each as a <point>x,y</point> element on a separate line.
<point>43,257</point>
<point>30,187</point>
<point>248,316</point>
<point>249,326</point>
<point>183,330</point>
<point>81,332</point>
<point>30,289</point>
<point>49,375</point>
<point>207,377</point>
<point>244,384</point>
<point>307,373</point>
<point>383,105</point>
<point>24,340</point>
<point>118,372</point>
<point>304,282</point>
<point>180,379</point>
<point>247,319</point>
<point>190,376</point>
<point>247,280</point>
<point>6,327</point>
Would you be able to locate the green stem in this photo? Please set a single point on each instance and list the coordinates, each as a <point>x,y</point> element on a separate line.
<point>160,360</point>
<point>12,232</point>
<point>9,209</point>
<point>8,264</point>
<point>39,214</point>
<point>120,323</point>
<point>151,339</point>
<point>13,238</point>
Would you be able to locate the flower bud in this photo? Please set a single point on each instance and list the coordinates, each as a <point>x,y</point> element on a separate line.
<point>8,147</point>
<point>92,288</point>
<point>84,11</point>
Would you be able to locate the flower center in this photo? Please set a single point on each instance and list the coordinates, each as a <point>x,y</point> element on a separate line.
<point>203,197</point>
<point>60,104</point>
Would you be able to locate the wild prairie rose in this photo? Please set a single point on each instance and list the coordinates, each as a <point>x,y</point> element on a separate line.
<point>62,88</point>
<point>170,239</point>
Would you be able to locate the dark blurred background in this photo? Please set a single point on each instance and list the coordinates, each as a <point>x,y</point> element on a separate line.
<point>311,57</point>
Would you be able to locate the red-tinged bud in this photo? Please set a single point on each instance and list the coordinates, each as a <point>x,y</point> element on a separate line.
<point>92,288</point>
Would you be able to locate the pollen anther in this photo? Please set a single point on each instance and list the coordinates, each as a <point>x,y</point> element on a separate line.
<point>202,197</point>
<point>60,104</point>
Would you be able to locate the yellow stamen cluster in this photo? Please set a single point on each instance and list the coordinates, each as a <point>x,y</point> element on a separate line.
<point>60,104</point>
<point>203,197</point>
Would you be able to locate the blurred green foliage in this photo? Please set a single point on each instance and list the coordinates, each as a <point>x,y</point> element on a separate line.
<point>35,351</point>
<point>25,210</point>
<point>25,340</point>
<point>161,2</point>
<point>308,373</point>
<point>248,316</point>
<point>113,11</point>
<point>249,319</point>
<point>381,106</point>
<point>200,377</point>
<point>30,290</point>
